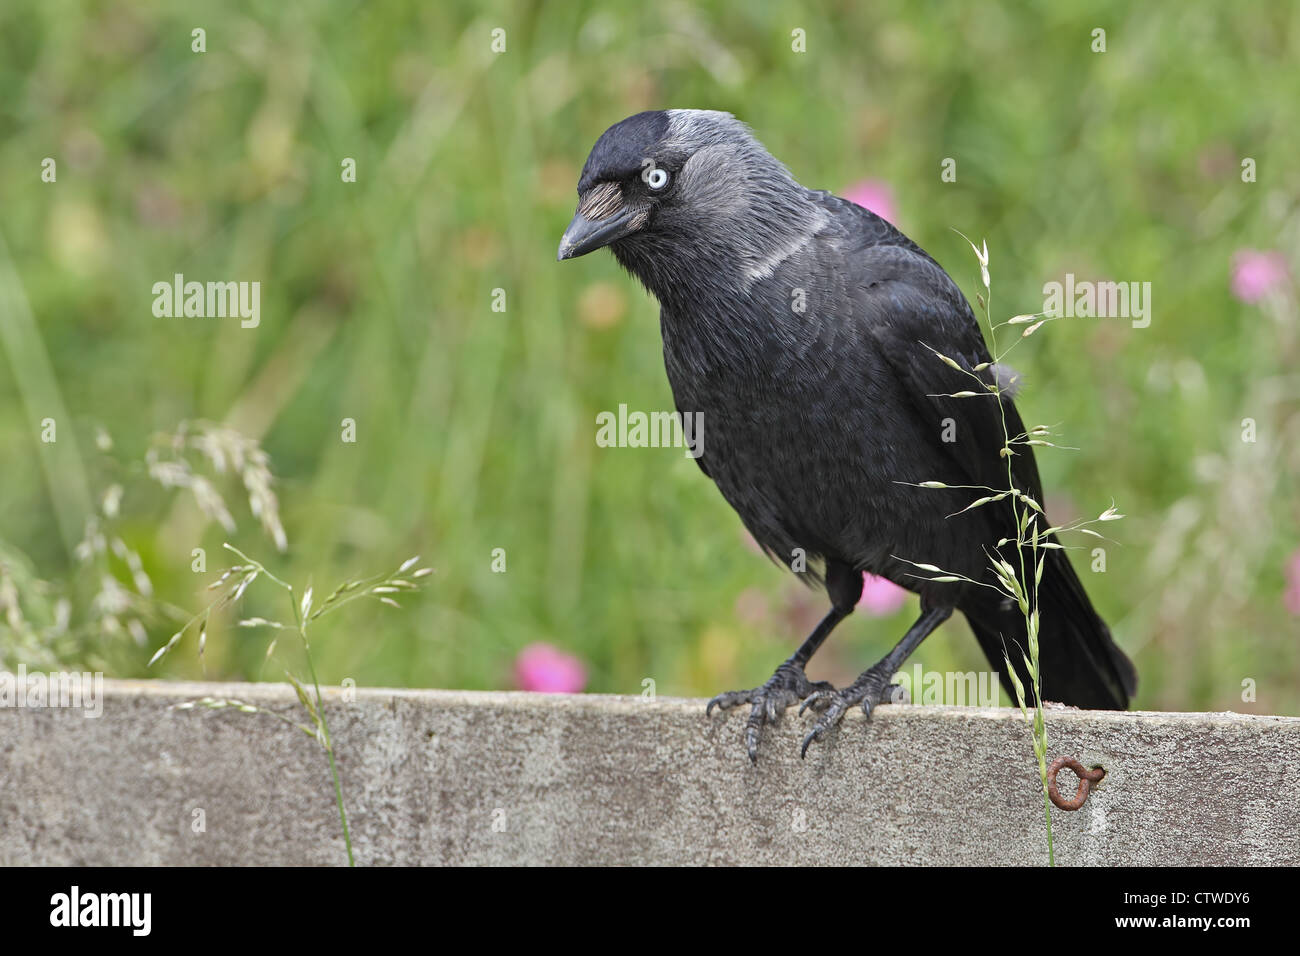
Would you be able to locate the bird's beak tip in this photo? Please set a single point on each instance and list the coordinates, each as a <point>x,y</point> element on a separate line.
<point>587,235</point>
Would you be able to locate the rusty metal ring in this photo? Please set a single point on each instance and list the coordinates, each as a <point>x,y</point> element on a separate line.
<point>1086,779</point>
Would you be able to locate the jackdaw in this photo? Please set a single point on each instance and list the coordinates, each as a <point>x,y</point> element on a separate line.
<point>805,329</point>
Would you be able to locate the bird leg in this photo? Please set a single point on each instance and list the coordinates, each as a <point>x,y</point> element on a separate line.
<point>873,685</point>
<point>787,686</point>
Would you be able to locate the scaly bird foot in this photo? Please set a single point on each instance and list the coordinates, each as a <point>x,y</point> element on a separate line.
<point>787,687</point>
<point>871,688</point>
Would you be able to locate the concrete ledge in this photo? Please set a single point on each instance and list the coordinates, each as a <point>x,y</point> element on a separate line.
<point>622,780</point>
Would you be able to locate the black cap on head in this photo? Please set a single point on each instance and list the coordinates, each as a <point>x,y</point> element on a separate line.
<point>624,147</point>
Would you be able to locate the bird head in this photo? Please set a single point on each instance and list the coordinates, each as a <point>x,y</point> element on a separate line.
<point>674,183</point>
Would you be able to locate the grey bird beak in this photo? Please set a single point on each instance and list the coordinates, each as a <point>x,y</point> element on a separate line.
<point>587,235</point>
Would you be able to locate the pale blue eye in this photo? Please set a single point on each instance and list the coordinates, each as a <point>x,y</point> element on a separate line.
<point>656,178</point>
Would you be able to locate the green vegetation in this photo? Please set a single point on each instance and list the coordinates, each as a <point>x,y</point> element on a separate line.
<point>475,428</point>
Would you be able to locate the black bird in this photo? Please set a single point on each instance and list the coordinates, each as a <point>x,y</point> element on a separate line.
<point>805,329</point>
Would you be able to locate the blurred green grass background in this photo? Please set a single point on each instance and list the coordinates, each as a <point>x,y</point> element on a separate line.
<point>476,428</point>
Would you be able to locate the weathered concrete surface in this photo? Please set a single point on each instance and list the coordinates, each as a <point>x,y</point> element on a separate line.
<point>618,780</point>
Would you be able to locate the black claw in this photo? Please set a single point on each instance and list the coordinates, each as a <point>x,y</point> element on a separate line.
<point>803,751</point>
<point>859,693</point>
<point>770,701</point>
<point>751,742</point>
